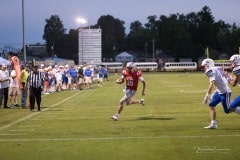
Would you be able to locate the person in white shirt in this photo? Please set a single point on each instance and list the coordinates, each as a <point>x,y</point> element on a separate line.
<point>222,94</point>
<point>13,89</point>
<point>58,76</point>
<point>4,85</point>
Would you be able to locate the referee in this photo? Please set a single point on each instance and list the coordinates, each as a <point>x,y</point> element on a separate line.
<point>35,80</point>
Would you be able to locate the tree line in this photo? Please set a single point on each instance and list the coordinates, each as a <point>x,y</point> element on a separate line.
<point>176,35</point>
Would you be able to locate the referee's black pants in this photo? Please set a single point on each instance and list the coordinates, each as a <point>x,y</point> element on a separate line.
<point>35,93</point>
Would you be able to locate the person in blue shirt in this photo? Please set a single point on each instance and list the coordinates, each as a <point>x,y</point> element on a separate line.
<point>105,77</point>
<point>88,75</point>
<point>100,76</point>
<point>74,76</point>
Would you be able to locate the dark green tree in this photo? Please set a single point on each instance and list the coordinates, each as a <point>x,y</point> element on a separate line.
<point>68,45</point>
<point>207,31</point>
<point>173,37</point>
<point>113,35</point>
<point>53,33</point>
<point>139,37</point>
<point>235,39</point>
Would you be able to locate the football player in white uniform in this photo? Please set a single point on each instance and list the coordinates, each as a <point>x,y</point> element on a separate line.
<point>234,80</point>
<point>221,95</point>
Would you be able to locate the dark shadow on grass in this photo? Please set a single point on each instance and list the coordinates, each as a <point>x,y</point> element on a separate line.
<point>155,118</point>
<point>237,129</point>
<point>55,110</point>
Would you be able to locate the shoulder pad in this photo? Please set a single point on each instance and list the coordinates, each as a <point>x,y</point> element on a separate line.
<point>209,72</point>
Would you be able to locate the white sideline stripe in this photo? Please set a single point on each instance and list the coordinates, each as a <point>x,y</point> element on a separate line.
<point>113,138</point>
<point>33,114</point>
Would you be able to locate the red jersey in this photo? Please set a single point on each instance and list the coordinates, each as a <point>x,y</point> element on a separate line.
<point>132,78</point>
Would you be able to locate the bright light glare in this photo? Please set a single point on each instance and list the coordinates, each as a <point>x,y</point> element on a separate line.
<point>81,20</point>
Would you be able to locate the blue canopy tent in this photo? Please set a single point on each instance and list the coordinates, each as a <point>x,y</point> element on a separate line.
<point>4,61</point>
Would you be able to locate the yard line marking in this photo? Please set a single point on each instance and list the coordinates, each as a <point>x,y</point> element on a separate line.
<point>47,116</point>
<point>113,138</point>
<point>29,126</point>
<point>12,134</point>
<point>33,114</point>
<point>21,130</point>
<point>192,91</point>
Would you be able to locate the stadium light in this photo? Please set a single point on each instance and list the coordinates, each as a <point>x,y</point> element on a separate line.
<point>81,21</point>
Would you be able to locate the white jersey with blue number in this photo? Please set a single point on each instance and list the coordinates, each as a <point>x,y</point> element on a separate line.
<point>217,74</point>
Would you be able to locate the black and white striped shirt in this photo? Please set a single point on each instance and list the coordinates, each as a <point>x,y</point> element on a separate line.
<point>36,79</point>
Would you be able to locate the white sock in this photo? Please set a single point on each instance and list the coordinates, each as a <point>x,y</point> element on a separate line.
<point>237,110</point>
<point>213,121</point>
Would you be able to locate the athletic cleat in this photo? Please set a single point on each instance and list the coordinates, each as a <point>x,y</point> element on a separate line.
<point>141,101</point>
<point>115,117</point>
<point>211,126</point>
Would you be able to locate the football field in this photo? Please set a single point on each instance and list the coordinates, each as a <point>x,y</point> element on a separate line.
<point>76,125</point>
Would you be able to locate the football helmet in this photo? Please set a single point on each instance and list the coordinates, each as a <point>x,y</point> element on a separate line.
<point>235,60</point>
<point>130,65</point>
<point>208,63</point>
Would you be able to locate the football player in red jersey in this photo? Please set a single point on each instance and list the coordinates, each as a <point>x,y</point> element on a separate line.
<point>131,75</point>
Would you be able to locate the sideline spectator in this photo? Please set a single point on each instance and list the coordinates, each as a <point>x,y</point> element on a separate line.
<point>88,75</point>
<point>80,77</point>
<point>65,80</point>
<point>46,82</point>
<point>100,76</point>
<point>13,89</point>
<point>24,86</point>
<point>105,74</point>
<point>58,76</point>
<point>74,77</point>
<point>4,85</point>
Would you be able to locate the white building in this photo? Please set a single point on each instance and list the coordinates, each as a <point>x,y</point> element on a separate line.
<point>37,49</point>
<point>124,57</point>
<point>89,46</point>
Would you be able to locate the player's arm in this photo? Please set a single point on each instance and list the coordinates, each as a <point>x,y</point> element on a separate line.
<point>210,87</point>
<point>141,79</point>
<point>207,96</point>
<point>234,80</point>
<point>144,86</point>
<point>120,80</point>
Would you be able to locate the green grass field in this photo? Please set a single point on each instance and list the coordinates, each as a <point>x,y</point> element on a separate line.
<point>77,124</point>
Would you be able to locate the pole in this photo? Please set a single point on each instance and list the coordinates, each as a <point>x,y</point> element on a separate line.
<point>207,52</point>
<point>82,44</point>
<point>146,51</point>
<point>23,30</point>
<point>153,41</point>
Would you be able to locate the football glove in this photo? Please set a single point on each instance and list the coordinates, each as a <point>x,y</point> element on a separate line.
<point>207,98</point>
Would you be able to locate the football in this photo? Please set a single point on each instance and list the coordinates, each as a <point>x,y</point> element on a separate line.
<point>119,81</point>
